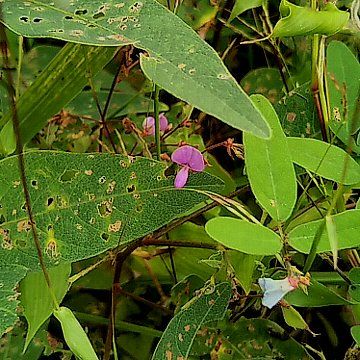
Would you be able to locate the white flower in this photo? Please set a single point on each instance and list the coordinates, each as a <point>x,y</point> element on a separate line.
<point>275,290</point>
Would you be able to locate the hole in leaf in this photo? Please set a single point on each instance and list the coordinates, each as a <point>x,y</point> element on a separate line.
<point>98,15</point>
<point>24,19</point>
<point>34,183</point>
<point>68,175</point>
<point>2,219</point>
<point>90,25</point>
<point>23,207</point>
<point>50,227</point>
<point>37,20</point>
<point>21,243</point>
<point>68,17</point>
<point>105,236</point>
<point>104,209</point>
<point>80,12</point>
<point>50,200</point>
<point>131,188</point>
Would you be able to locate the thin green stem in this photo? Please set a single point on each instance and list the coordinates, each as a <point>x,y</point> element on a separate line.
<point>157,122</point>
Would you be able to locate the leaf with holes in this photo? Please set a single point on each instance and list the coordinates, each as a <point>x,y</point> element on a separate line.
<point>190,70</point>
<point>179,335</point>
<point>83,205</point>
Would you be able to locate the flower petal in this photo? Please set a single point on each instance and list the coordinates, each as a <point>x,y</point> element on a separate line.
<point>149,125</point>
<point>181,177</point>
<point>190,156</point>
<point>164,124</point>
<point>274,290</point>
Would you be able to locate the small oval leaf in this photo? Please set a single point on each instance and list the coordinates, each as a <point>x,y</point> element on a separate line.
<point>324,159</point>
<point>243,236</point>
<point>347,225</point>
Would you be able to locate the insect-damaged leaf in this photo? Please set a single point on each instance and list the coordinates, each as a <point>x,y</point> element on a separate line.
<point>83,205</point>
<point>190,70</point>
<point>179,335</point>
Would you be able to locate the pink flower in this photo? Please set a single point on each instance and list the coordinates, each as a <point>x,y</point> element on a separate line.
<point>189,158</point>
<point>275,290</point>
<point>149,124</point>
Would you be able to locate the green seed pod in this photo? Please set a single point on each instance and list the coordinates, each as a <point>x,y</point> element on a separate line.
<point>75,335</point>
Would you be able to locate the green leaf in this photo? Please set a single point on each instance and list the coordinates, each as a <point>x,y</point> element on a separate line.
<point>242,5</point>
<point>75,336</point>
<point>58,84</point>
<point>36,299</point>
<point>244,266</point>
<point>293,318</point>
<point>264,81</point>
<point>191,70</point>
<point>11,274</point>
<point>179,335</point>
<point>269,166</point>
<point>83,204</point>
<point>347,228</point>
<point>324,159</point>
<point>303,21</point>
<point>355,333</point>
<point>318,295</point>
<point>343,74</point>
<point>243,236</point>
<point>197,15</point>
<point>297,113</point>
<point>332,235</point>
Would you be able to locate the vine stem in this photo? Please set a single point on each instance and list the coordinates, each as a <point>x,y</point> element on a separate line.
<point>21,161</point>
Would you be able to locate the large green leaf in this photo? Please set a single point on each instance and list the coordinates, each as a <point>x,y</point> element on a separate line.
<point>343,74</point>
<point>303,21</point>
<point>58,84</point>
<point>347,226</point>
<point>324,159</point>
<point>243,236</point>
<point>269,167</point>
<point>179,60</point>
<point>36,299</point>
<point>83,204</point>
<point>180,333</point>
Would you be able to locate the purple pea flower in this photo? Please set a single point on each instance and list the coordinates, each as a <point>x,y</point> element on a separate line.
<point>149,124</point>
<point>190,159</point>
<point>275,290</point>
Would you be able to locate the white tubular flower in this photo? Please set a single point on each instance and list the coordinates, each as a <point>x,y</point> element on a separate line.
<point>275,290</point>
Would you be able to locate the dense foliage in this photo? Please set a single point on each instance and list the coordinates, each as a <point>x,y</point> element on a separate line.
<point>179,179</point>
